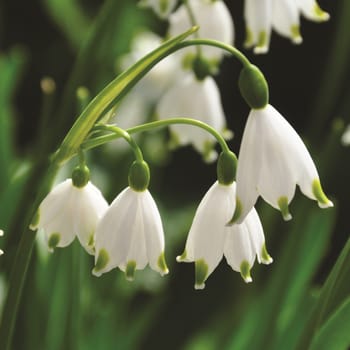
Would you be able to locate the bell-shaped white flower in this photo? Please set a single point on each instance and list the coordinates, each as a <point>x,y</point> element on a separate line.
<point>210,238</point>
<point>281,15</point>
<point>130,235</point>
<point>196,99</point>
<point>161,7</point>
<point>214,20</point>
<point>69,211</point>
<point>272,161</point>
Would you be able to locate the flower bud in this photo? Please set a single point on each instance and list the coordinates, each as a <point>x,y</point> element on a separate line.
<point>253,87</point>
<point>139,176</point>
<point>226,168</point>
<point>80,176</point>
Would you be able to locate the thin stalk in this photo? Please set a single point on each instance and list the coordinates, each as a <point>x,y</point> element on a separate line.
<point>98,141</point>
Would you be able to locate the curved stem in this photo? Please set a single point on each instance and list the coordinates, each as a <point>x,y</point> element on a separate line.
<point>210,42</point>
<point>98,141</point>
<point>126,136</point>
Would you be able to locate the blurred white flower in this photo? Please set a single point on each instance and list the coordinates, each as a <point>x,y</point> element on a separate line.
<point>281,15</point>
<point>130,235</point>
<point>214,20</point>
<point>161,7</point>
<point>69,211</point>
<point>196,99</point>
<point>272,161</point>
<point>1,234</point>
<point>210,238</point>
<point>345,138</point>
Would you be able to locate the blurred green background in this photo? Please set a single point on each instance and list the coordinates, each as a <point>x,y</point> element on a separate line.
<point>78,43</point>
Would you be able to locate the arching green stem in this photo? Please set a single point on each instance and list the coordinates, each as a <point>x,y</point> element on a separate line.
<point>209,42</point>
<point>98,141</point>
<point>118,132</point>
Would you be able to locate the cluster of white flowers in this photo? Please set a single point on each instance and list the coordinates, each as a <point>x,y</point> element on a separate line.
<point>261,16</point>
<point>273,159</point>
<point>174,87</point>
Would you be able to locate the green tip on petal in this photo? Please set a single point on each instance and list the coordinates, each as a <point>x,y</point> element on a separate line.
<point>102,261</point>
<point>163,6</point>
<point>265,256</point>
<point>323,201</point>
<point>262,45</point>
<point>53,241</point>
<point>182,257</point>
<point>295,33</point>
<point>237,213</point>
<point>201,268</point>
<point>320,14</point>
<point>35,221</point>
<point>130,270</point>
<point>283,205</point>
<point>245,271</point>
<point>249,38</point>
<point>162,265</point>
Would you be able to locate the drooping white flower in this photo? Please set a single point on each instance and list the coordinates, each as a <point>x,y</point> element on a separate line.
<point>69,211</point>
<point>130,235</point>
<point>210,238</point>
<point>272,161</point>
<point>161,7</point>
<point>196,99</point>
<point>281,15</point>
<point>214,20</point>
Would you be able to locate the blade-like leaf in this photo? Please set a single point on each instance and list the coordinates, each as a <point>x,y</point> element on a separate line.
<point>334,334</point>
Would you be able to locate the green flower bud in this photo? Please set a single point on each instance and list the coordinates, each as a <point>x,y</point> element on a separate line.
<point>253,87</point>
<point>203,67</point>
<point>80,176</point>
<point>226,168</point>
<point>139,176</point>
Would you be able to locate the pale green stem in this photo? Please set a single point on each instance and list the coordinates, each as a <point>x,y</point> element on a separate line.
<point>118,132</point>
<point>98,141</point>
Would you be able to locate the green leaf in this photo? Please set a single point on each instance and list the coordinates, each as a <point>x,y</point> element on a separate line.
<point>334,334</point>
<point>11,66</point>
<point>272,313</point>
<point>333,293</point>
<point>113,93</point>
<point>70,17</point>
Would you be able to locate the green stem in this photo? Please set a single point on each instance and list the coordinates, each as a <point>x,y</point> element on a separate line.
<point>98,141</point>
<point>209,42</point>
<point>126,136</point>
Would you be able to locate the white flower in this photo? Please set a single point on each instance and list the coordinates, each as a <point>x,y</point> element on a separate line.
<point>130,235</point>
<point>199,100</point>
<point>214,20</point>
<point>1,234</point>
<point>282,15</point>
<point>272,161</point>
<point>210,238</point>
<point>68,211</point>
<point>161,7</point>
